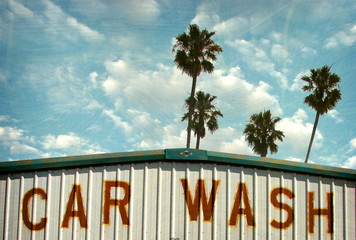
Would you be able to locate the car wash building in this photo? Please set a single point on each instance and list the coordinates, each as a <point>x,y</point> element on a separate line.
<point>175,194</point>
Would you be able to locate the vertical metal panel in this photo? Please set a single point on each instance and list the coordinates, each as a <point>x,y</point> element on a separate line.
<point>350,217</point>
<point>157,205</point>
<point>3,195</point>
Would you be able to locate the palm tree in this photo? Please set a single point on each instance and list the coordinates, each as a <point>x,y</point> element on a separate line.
<point>195,53</point>
<point>204,112</point>
<point>261,133</point>
<point>325,94</point>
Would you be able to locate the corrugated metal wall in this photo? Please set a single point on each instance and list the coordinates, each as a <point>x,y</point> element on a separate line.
<point>172,200</point>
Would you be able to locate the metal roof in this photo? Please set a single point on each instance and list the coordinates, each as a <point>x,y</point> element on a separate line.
<point>180,154</point>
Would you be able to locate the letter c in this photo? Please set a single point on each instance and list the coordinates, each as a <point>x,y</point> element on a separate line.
<point>25,209</point>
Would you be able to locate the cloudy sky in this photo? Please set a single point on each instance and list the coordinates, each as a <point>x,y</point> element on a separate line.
<point>90,76</point>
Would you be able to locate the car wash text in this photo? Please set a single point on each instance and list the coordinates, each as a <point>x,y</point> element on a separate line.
<point>202,200</point>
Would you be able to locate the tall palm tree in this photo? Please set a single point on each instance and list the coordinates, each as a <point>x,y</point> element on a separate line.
<point>195,52</point>
<point>325,94</point>
<point>261,133</point>
<point>204,112</point>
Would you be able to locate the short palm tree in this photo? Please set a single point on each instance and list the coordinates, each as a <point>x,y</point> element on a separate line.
<point>195,52</point>
<point>204,112</point>
<point>261,133</point>
<point>325,94</point>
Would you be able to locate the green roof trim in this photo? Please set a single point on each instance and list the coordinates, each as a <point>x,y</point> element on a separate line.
<point>180,154</point>
<point>80,161</point>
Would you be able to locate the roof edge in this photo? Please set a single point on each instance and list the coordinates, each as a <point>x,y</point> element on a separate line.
<point>80,161</point>
<point>284,165</point>
<point>177,154</point>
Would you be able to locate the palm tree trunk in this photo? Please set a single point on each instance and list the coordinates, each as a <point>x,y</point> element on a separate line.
<point>312,136</point>
<point>191,110</point>
<point>198,142</point>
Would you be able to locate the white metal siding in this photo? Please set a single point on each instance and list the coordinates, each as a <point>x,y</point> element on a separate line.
<point>157,208</point>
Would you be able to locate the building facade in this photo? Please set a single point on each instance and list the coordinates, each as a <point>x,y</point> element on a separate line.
<point>175,194</point>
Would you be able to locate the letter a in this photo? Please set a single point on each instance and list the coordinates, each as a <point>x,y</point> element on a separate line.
<point>237,210</point>
<point>76,194</point>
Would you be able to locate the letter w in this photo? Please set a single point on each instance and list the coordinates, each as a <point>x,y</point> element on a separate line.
<point>200,196</point>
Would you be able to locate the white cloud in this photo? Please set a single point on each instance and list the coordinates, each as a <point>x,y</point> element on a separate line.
<point>61,141</point>
<point>63,87</point>
<point>331,42</point>
<point>248,49</point>
<point>173,136</point>
<point>6,118</point>
<point>144,10</point>
<point>353,144</point>
<point>20,9</point>
<point>276,36</point>
<point>295,159</point>
<point>94,105</point>
<point>112,87</point>
<point>160,93</point>
<point>235,94</point>
<point>93,79</point>
<point>206,17</point>
<point>87,33</point>
<point>138,11</point>
<point>54,17</point>
<point>308,51</point>
<point>118,121</point>
<point>118,68</point>
<point>300,116</point>
<point>232,27</point>
<point>69,144</point>
<point>147,132</point>
<point>137,88</point>
<point>298,132</point>
<point>17,142</point>
<point>150,134</point>
<point>258,59</point>
<point>350,163</point>
<point>334,114</point>
<point>298,82</point>
<point>19,148</point>
<point>279,52</point>
<point>227,140</point>
<point>346,37</point>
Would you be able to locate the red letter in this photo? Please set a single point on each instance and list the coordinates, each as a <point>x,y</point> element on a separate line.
<point>25,211</point>
<point>76,193</point>
<point>328,211</point>
<point>236,210</point>
<point>108,201</point>
<point>290,215</point>
<point>193,207</point>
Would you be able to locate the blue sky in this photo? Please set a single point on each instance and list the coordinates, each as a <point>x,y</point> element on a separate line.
<point>84,77</point>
